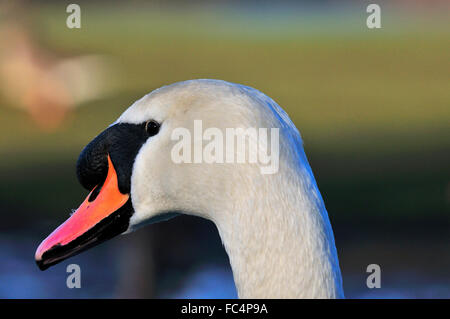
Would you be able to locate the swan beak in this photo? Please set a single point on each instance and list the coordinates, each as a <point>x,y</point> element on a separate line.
<point>92,223</point>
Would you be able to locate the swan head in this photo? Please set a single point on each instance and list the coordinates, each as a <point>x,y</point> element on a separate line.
<point>133,177</point>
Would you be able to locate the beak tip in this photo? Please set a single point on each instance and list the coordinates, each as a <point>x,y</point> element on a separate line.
<point>41,262</point>
<point>42,266</point>
<point>38,259</point>
<point>40,251</point>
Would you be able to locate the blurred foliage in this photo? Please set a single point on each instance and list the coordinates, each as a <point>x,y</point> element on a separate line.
<point>373,106</point>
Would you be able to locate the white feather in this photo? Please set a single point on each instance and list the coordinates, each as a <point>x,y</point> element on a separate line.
<point>275,228</point>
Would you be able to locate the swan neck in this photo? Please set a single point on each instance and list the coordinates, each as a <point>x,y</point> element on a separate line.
<point>280,242</point>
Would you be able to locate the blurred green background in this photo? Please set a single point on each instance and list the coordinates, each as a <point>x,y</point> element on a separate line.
<point>372,105</point>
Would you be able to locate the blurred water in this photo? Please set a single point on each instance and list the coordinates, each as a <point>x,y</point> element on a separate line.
<point>207,283</point>
<point>20,278</point>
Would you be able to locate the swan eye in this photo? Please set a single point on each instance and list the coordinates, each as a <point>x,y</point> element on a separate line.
<point>152,127</point>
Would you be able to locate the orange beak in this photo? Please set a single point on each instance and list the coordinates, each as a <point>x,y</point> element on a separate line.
<point>92,223</point>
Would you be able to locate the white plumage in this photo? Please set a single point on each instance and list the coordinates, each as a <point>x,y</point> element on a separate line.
<point>275,228</point>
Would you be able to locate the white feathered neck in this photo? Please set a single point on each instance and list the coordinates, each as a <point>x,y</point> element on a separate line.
<point>275,228</point>
<point>279,239</point>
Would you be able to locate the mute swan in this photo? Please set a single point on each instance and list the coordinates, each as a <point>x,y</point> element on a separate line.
<point>274,227</point>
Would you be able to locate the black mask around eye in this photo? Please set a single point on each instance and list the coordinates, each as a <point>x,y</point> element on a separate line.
<point>122,142</point>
